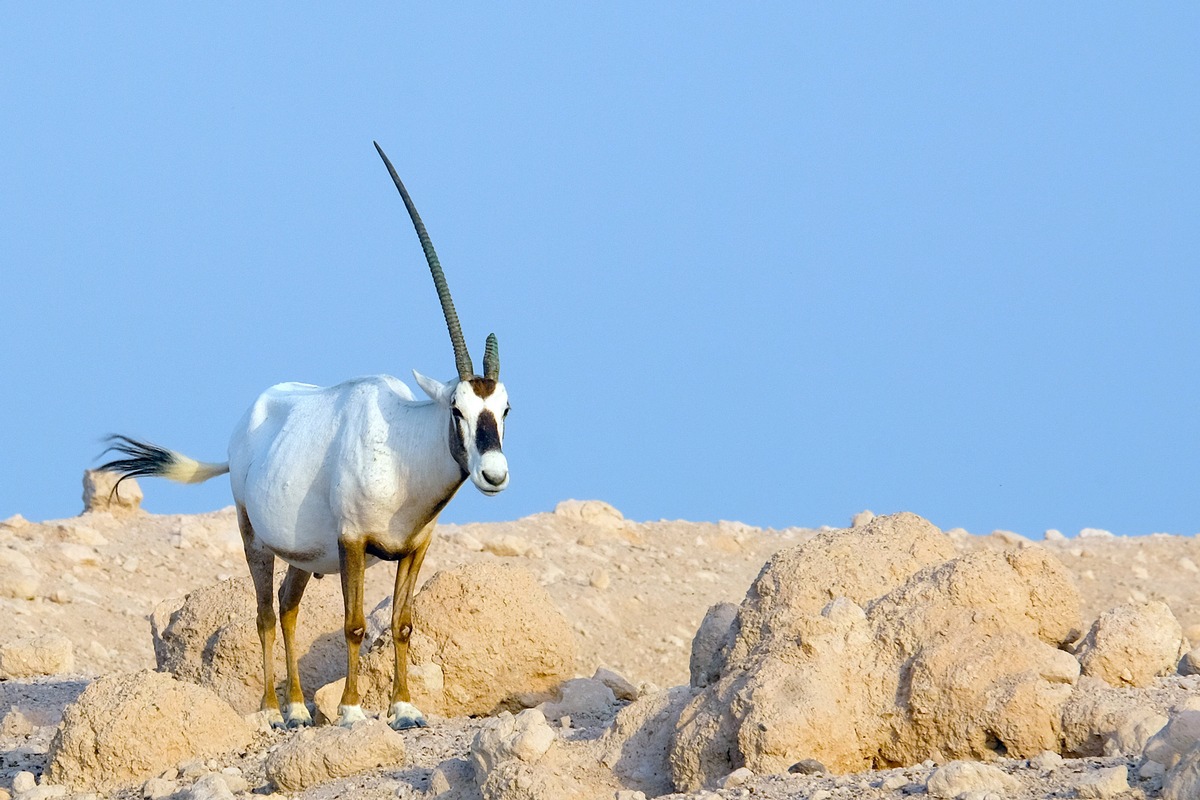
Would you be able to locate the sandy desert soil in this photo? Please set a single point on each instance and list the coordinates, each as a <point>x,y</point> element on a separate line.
<point>635,593</point>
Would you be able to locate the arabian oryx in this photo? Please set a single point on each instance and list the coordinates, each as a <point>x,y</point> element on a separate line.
<point>331,479</point>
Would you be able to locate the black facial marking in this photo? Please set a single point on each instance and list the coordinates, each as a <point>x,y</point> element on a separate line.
<point>487,433</point>
<point>458,448</point>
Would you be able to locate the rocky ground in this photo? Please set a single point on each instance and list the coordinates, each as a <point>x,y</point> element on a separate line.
<point>76,597</point>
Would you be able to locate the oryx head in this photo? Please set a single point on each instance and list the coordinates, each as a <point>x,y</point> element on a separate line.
<point>477,404</point>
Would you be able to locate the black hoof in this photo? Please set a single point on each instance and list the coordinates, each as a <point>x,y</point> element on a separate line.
<point>408,724</point>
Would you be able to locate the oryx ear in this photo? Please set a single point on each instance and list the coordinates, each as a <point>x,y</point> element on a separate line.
<point>436,390</point>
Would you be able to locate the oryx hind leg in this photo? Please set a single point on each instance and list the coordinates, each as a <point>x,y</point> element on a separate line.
<point>261,562</point>
<point>296,713</point>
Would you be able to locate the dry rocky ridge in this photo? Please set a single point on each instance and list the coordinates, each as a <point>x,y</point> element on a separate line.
<point>885,660</point>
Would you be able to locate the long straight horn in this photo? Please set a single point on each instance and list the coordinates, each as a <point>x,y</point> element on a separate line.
<point>462,359</point>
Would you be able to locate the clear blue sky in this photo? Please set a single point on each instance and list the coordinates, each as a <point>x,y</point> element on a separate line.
<point>771,262</point>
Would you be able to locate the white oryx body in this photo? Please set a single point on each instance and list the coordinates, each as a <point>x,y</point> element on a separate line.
<point>363,459</point>
<point>330,479</point>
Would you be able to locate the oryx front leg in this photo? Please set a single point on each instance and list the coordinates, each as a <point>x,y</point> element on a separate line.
<point>296,713</point>
<point>403,714</point>
<point>261,562</point>
<point>353,560</point>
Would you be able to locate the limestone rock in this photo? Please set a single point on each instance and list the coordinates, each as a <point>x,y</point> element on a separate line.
<point>1182,782</point>
<point>1177,738</point>
<point>18,578</point>
<point>621,688</point>
<point>786,704</point>
<point>862,518</point>
<point>978,697</point>
<point>1026,591</point>
<point>1100,720</point>
<point>592,512</point>
<point>858,563</point>
<point>960,659</point>
<point>518,758</point>
<point>711,637</point>
<point>1190,665</point>
<point>526,736</point>
<point>14,523</point>
<point>47,654</point>
<point>1132,644</point>
<point>316,755</point>
<point>516,780</point>
<point>959,777</point>
<point>1096,533</point>
<point>581,699</point>
<point>126,728</point>
<point>158,788</point>
<point>16,723</point>
<point>1105,784</point>
<point>453,778</point>
<point>1046,762</point>
<point>486,637</point>
<point>98,494</point>
<point>637,746</point>
<point>211,639</point>
<point>208,787</point>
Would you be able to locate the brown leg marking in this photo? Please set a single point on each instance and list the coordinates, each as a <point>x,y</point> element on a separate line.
<point>290,593</point>
<point>261,562</point>
<point>353,561</point>
<point>406,581</point>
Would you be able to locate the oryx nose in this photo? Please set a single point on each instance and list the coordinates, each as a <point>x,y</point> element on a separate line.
<point>495,476</point>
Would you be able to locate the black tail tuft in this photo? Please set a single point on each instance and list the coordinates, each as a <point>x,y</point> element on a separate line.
<point>144,459</point>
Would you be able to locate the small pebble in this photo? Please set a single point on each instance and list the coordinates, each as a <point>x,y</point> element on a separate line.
<point>23,782</point>
<point>157,788</point>
<point>15,723</point>
<point>862,518</point>
<point>439,784</point>
<point>736,778</point>
<point>1107,783</point>
<point>621,688</point>
<point>210,787</point>
<point>1046,761</point>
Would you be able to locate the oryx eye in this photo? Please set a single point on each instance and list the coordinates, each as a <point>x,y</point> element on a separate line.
<point>457,414</point>
<point>506,410</point>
